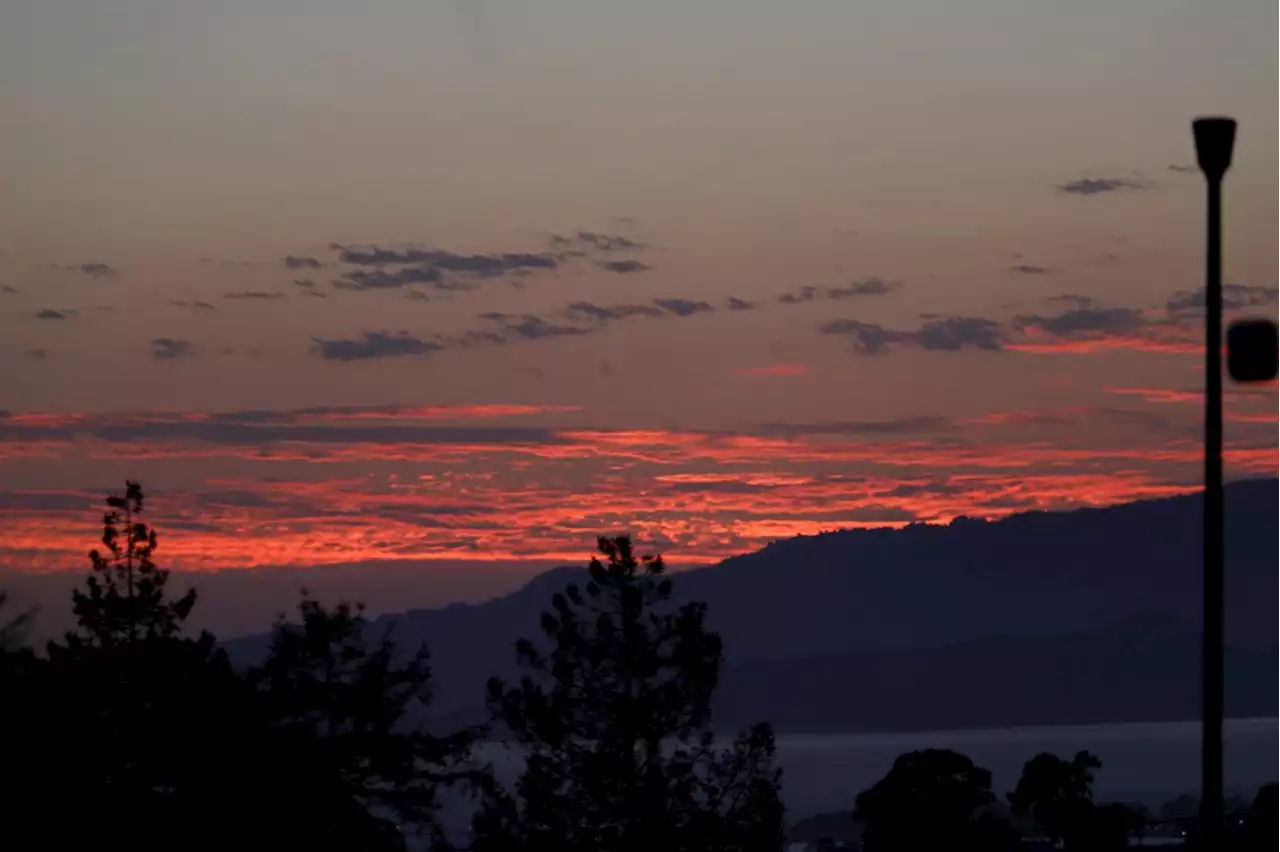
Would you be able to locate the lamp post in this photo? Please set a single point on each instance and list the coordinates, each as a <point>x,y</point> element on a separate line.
<point>1214,137</point>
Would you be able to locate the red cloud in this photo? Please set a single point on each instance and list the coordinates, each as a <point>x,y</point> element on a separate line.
<point>1091,346</point>
<point>1158,395</point>
<point>698,495</point>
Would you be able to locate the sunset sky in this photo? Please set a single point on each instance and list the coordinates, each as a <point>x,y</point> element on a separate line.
<point>444,289</point>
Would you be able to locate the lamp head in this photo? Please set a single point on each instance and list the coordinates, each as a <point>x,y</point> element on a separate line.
<point>1215,137</point>
<point>1253,350</point>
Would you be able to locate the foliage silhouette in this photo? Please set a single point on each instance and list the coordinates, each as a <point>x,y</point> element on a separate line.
<point>1182,806</point>
<point>1262,821</point>
<point>20,719</point>
<point>1110,827</point>
<point>326,683</point>
<point>13,629</point>
<point>932,799</point>
<point>1058,795</point>
<point>111,719</point>
<point>131,734</point>
<point>612,720</point>
<point>1055,793</point>
<point>124,599</point>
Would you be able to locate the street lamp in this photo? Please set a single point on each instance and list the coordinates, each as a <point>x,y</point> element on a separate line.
<point>1253,350</point>
<point>1214,137</point>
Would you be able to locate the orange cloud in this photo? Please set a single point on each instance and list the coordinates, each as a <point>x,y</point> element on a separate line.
<point>1093,346</point>
<point>325,523</point>
<point>668,448</point>
<point>544,494</point>
<point>1261,417</point>
<point>1158,395</point>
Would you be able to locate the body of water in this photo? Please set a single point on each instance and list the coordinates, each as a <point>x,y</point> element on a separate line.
<point>1150,762</point>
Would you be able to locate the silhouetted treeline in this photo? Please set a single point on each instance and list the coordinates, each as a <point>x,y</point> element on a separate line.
<point>131,733</point>
<point>939,799</point>
<point>612,720</point>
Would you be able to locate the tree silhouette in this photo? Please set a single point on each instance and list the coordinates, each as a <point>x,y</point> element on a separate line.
<point>150,740</point>
<point>1058,795</point>
<point>1260,824</point>
<point>13,629</point>
<point>133,735</point>
<point>1055,793</point>
<point>124,599</point>
<point>133,717</point>
<point>1109,828</point>
<point>931,799</point>
<point>326,683</point>
<point>111,718</point>
<point>1182,806</point>
<point>612,720</point>
<point>20,713</point>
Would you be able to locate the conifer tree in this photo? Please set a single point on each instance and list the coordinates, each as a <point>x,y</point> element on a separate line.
<point>361,711</point>
<point>613,719</point>
<point>124,599</point>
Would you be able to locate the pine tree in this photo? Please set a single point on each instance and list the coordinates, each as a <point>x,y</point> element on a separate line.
<point>613,722</point>
<point>159,743</point>
<point>124,600</point>
<point>129,702</point>
<point>361,712</point>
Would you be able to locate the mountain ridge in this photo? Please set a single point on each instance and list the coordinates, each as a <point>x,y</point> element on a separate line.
<point>1037,574</point>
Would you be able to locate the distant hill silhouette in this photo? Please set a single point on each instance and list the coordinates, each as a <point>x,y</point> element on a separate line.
<point>1138,670</point>
<point>926,599</point>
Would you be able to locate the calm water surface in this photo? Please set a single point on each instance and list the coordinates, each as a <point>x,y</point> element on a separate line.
<point>1148,761</point>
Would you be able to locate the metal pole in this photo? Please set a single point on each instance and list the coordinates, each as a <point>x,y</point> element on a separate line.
<point>1214,591</point>
<point>1214,141</point>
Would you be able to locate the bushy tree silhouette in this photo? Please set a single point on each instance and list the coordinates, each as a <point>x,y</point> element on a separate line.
<point>1056,794</point>
<point>613,722</point>
<point>131,735</point>
<point>111,718</point>
<point>1261,822</point>
<point>1182,806</point>
<point>1109,827</point>
<point>932,799</point>
<point>326,683</point>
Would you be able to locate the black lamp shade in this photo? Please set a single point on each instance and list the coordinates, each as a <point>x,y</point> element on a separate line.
<point>1253,350</point>
<point>1215,137</point>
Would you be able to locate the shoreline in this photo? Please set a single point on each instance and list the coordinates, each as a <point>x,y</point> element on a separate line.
<point>1111,730</point>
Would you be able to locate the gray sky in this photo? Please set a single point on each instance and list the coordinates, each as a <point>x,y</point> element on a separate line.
<point>744,269</point>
